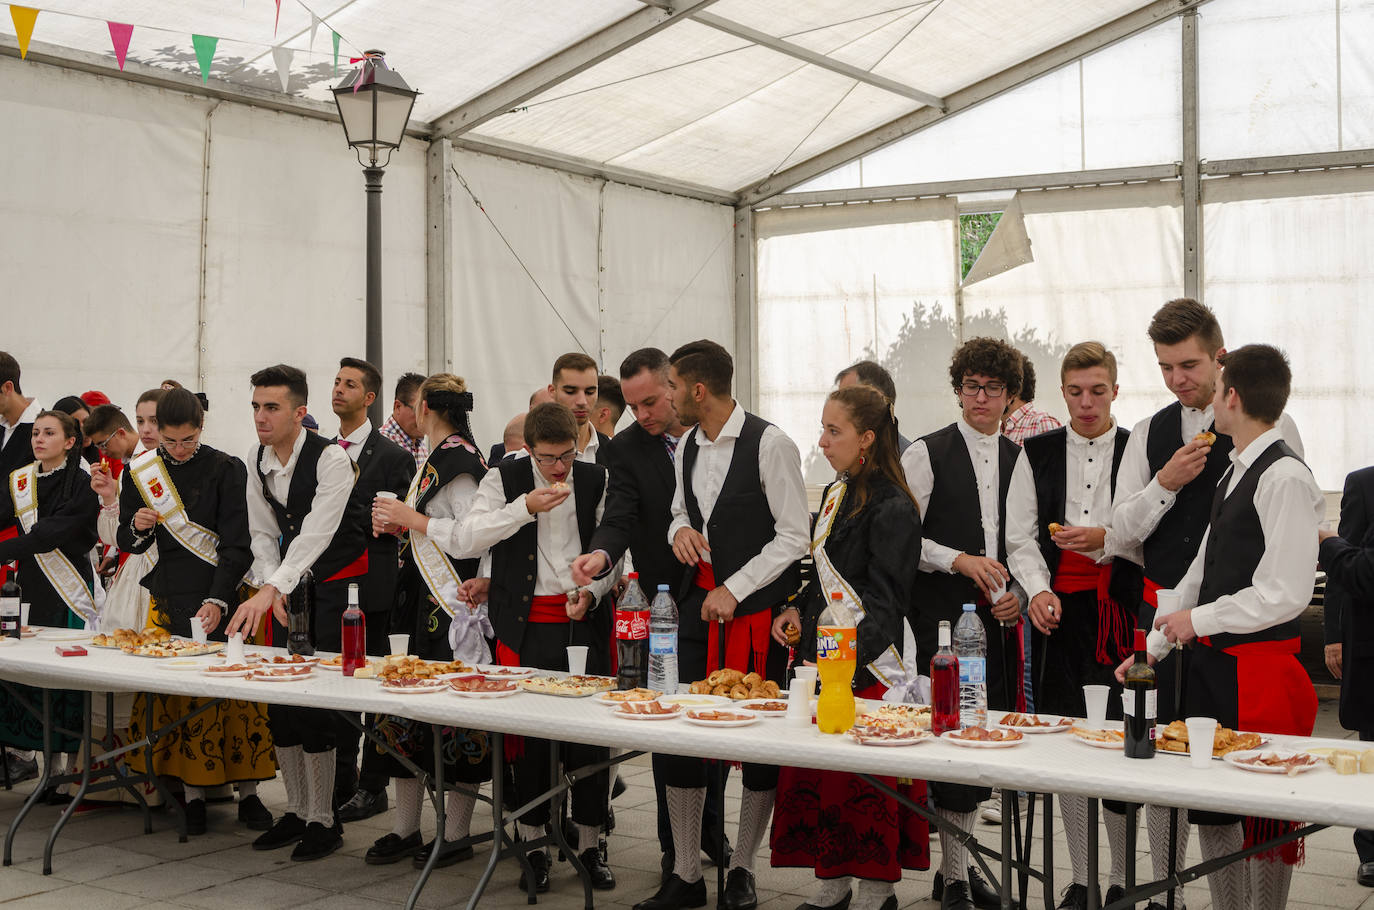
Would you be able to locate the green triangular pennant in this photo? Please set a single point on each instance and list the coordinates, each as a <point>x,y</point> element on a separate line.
<point>336,51</point>
<point>205,53</point>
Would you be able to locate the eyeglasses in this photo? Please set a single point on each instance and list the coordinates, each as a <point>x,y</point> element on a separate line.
<point>101,444</point>
<point>548,461</point>
<point>170,444</point>
<point>991,389</point>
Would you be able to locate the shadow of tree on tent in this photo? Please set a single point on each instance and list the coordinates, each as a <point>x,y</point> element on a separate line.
<point>919,363</point>
<point>259,71</point>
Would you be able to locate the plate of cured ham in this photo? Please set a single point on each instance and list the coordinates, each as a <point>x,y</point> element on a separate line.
<point>890,733</point>
<point>646,710</point>
<point>481,687</point>
<point>491,671</point>
<point>1034,723</point>
<point>621,696</point>
<point>228,671</point>
<point>414,685</point>
<point>718,717</point>
<point>1273,761</point>
<point>982,738</point>
<point>263,673</point>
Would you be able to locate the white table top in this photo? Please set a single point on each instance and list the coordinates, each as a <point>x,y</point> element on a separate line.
<point>1042,763</point>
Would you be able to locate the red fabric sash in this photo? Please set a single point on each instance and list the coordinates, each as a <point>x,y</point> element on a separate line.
<point>355,569</point>
<point>8,534</point>
<point>1150,588</point>
<point>1078,573</point>
<point>745,637</point>
<point>515,745</point>
<point>706,575</point>
<point>550,608</point>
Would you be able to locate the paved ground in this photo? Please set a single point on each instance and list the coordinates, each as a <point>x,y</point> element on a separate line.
<point>105,863</point>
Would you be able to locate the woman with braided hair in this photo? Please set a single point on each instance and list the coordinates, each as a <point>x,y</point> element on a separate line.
<point>439,624</point>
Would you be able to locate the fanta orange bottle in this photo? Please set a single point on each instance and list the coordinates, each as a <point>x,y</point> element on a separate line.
<point>837,654</point>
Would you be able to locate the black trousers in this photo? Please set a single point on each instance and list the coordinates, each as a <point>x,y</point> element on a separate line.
<point>545,646</point>
<point>1364,839</point>
<point>314,729</point>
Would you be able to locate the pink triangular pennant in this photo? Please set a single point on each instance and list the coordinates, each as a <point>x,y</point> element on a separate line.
<point>277,21</point>
<point>119,37</point>
<point>24,18</point>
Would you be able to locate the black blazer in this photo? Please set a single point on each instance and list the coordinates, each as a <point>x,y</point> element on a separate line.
<point>639,505</point>
<point>1349,563</point>
<point>383,465</point>
<point>498,452</point>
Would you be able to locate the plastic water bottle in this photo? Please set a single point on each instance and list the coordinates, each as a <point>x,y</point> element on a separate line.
<point>632,636</point>
<point>663,642</point>
<point>971,647</point>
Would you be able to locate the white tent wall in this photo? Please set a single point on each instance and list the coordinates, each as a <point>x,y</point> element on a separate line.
<point>664,277</point>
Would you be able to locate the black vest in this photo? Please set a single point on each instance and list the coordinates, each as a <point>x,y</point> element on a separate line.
<point>741,522</point>
<point>349,540</point>
<point>1049,462</point>
<point>1170,549</point>
<point>1235,546</point>
<point>513,560</point>
<point>448,462</point>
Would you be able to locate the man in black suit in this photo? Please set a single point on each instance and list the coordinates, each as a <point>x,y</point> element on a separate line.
<point>1348,558</point>
<point>17,415</point>
<point>513,440</point>
<point>381,465</point>
<point>576,384</point>
<point>638,511</point>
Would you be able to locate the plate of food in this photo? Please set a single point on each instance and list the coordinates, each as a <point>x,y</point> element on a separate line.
<point>1100,739</point>
<point>646,710</point>
<point>1173,740</point>
<point>263,673</point>
<point>408,666</point>
<point>1273,761</point>
<point>916,714</point>
<point>227,671</point>
<point>1034,723</point>
<point>719,717</point>
<point>181,663</point>
<point>695,701</point>
<point>480,687</point>
<point>28,632</point>
<point>177,647</point>
<point>295,660</point>
<point>982,738</point>
<point>414,685</point>
<point>496,672</point>
<point>568,686</point>
<point>621,696</point>
<point>875,732</point>
<point>764,707</point>
<point>131,638</point>
<point>736,685</point>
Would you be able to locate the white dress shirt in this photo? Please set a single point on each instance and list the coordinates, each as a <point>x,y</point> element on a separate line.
<point>29,416</point>
<point>1140,500</point>
<point>1087,503</point>
<point>334,483</point>
<point>446,511</point>
<point>593,444</point>
<point>781,477</point>
<point>355,441</point>
<point>985,453</point>
<point>1291,507</point>
<point>490,520</point>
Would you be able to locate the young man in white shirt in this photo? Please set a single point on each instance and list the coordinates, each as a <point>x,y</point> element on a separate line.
<point>1241,601</point>
<point>576,385</point>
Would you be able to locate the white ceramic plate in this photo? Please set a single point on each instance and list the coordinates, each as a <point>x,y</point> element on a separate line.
<point>920,737</point>
<point>695,701</point>
<point>504,694</point>
<point>1058,728</point>
<point>226,674</point>
<point>64,634</point>
<point>491,671</point>
<point>949,737</point>
<point>625,715</point>
<point>181,663</point>
<point>751,719</point>
<point>754,703</point>
<point>1118,745</point>
<point>258,676</point>
<point>606,699</point>
<point>415,690</point>
<point>1236,759</point>
<point>1264,741</point>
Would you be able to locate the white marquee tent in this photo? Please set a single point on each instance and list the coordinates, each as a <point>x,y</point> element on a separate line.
<point>787,178</point>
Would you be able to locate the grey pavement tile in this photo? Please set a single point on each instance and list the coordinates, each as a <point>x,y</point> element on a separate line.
<point>258,892</point>
<point>1327,891</point>
<point>159,885</point>
<point>15,884</point>
<point>354,902</point>
<point>91,863</point>
<point>340,874</point>
<point>243,858</point>
<point>76,896</point>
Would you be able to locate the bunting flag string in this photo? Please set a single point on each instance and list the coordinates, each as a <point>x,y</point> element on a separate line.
<point>205,53</point>
<point>24,17</point>
<point>120,33</point>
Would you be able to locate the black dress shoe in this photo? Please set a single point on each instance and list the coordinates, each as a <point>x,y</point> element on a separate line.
<point>195,816</point>
<point>618,787</point>
<point>539,862</point>
<point>345,784</point>
<point>1076,898</point>
<point>739,890</point>
<point>955,896</point>
<point>288,830</point>
<point>362,805</point>
<point>1114,894</point>
<point>392,848</point>
<point>841,904</point>
<point>676,893</point>
<point>718,852</point>
<point>450,852</point>
<point>1365,875</point>
<point>318,842</point>
<point>978,890</point>
<point>603,879</point>
<point>665,867</point>
<point>254,814</point>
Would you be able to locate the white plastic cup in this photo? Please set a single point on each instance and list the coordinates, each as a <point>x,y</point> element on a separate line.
<point>234,651</point>
<point>1095,697</point>
<point>1167,601</point>
<point>798,702</point>
<point>198,633</point>
<point>400,644</point>
<point>1201,730</point>
<point>24,615</point>
<point>577,660</point>
<point>386,494</point>
<point>807,676</point>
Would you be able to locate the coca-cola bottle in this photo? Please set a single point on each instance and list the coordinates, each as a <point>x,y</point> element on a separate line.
<point>632,636</point>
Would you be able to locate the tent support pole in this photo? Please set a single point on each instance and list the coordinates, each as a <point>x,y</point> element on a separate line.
<point>746,316</point>
<point>1191,168</point>
<point>438,258</point>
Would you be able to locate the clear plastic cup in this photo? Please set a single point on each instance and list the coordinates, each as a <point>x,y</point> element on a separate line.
<point>1201,730</point>
<point>198,633</point>
<point>808,676</point>
<point>1095,697</point>
<point>385,494</point>
<point>24,615</point>
<point>577,660</point>
<point>400,644</point>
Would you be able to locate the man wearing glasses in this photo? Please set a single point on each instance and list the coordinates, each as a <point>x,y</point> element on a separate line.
<point>960,476</point>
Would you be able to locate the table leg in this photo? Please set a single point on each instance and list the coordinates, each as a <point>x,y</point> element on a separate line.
<point>436,735</point>
<point>88,747</point>
<point>1009,799</point>
<point>1023,850</point>
<point>1047,840</point>
<point>1132,820</point>
<point>557,805</point>
<point>39,785</point>
<point>498,819</point>
<point>1173,856</point>
<point>1093,896</point>
<point>168,800</point>
<point>720,769</point>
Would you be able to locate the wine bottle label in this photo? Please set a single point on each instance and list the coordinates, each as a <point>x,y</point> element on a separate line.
<point>1148,701</point>
<point>1151,707</point>
<point>972,671</point>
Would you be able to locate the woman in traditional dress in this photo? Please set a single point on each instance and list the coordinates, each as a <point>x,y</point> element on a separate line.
<point>189,499</point>
<point>439,625</point>
<point>56,511</point>
<point>863,544</point>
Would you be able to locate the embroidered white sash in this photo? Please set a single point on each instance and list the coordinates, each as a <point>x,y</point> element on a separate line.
<point>155,485</point>
<point>888,667</point>
<point>441,579</point>
<point>61,574</point>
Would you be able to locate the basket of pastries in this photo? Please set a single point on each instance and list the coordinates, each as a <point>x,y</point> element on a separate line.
<point>736,685</point>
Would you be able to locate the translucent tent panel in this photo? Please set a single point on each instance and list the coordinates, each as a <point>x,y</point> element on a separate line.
<point>1357,74</point>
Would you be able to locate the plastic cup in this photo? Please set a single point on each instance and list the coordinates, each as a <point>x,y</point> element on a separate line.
<point>806,675</point>
<point>386,494</point>
<point>1168,601</point>
<point>24,615</point>
<point>577,660</point>
<point>799,701</point>
<point>1200,730</point>
<point>1095,697</point>
<point>234,650</point>
<point>400,644</point>
<point>198,633</point>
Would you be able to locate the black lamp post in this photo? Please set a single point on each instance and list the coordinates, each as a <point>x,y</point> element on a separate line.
<point>374,104</point>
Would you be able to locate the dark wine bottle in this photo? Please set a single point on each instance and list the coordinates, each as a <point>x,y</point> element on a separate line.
<point>300,610</point>
<point>1141,703</point>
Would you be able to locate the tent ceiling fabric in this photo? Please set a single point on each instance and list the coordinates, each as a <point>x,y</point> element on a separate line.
<point>689,103</point>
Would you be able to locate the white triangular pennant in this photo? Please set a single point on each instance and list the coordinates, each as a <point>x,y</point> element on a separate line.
<point>282,56</point>
<point>314,24</point>
<point>1008,247</point>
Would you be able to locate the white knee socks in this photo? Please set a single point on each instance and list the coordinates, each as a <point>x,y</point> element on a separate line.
<point>409,798</point>
<point>1116,844</point>
<point>1230,885</point>
<point>685,806</point>
<point>1157,823</point>
<point>1073,813</point>
<point>458,808</point>
<point>319,791</point>
<point>830,891</point>
<point>1269,882</point>
<point>291,760</point>
<point>755,810</point>
<point>953,853</point>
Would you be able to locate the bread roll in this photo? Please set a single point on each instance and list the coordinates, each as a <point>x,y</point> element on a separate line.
<point>1206,437</point>
<point>1055,527</point>
<point>1367,761</point>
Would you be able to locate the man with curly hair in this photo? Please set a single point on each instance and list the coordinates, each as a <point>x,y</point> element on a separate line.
<point>960,476</point>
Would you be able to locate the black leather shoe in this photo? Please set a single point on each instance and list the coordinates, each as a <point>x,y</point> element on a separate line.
<point>254,814</point>
<point>22,769</point>
<point>676,893</point>
<point>618,787</point>
<point>345,784</point>
<point>195,816</point>
<point>318,842</point>
<point>450,852</point>
<point>392,848</point>
<point>362,805</point>
<point>665,867</point>
<point>1076,898</point>
<point>841,904</point>
<point>739,890</point>
<point>718,853</point>
<point>539,861</point>
<point>955,896</point>
<point>1365,875</point>
<point>1114,894</point>
<point>603,879</point>
<point>288,830</point>
<point>979,891</point>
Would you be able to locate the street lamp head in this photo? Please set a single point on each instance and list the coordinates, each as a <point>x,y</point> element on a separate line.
<point>374,104</point>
